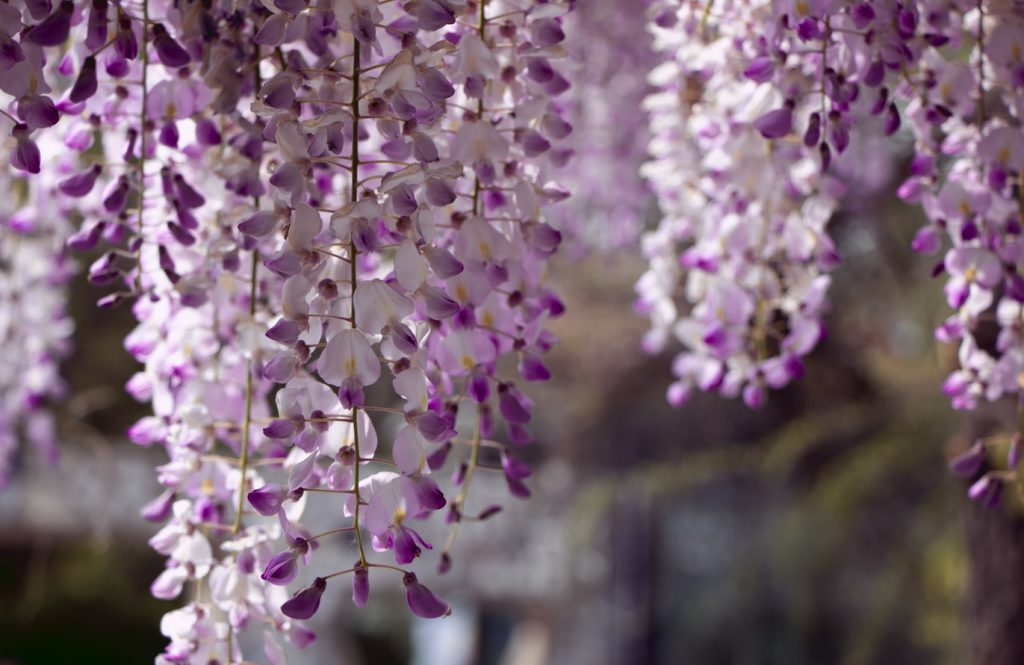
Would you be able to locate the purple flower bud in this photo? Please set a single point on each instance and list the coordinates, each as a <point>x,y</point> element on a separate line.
<point>997,178</point>
<point>1013,455</point>
<point>402,337</point>
<point>267,499</point>
<point>25,156</point>
<point>166,262</point>
<point>169,135</point>
<point>532,368</point>
<point>488,512</point>
<point>281,569</point>
<point>290,6</point>
<point>906,23</point>
<point>207,133</point>
<point>437,304</point>
<point>436,459</point>
<point>10,52</point>
<point>892,120</point>
<point>406,548</point>
<point>439,192</point>
<point>116,195</point>
<point>423,148</point>
<point>272,32</point>
<point>760,69</point>
<point>364,236</point>
<point>38,9</point>
<point>875,74</point>
<point>968,463</point>
<point>442,262</point>
<point>85,85</point>
<point>284,332</point>
<point>288,177</point>
<point>435,427</point>
<point>514,467</point>
<point>284,265</point>
<point>435,85</point>
<point>813,134</point>
<point>278,92</point>
<point>246,561</point>
<point>546,32</point>
<point>543,238</point>
<point>517,434</point>
<point>555,126</point>
<point>80,184</point>
<point>862,14</point>
<point>360,585</point>
<point>881,102</point>
<point>539,69</point>
<point>259,225</point>
<point>512,405</point>
<point>987,490</point>
<point>922,165</point>
<point>168,50</point>
<point>535,144</point>
<point>280,428</point>
<point>305,602</point>
<point>479,387</point>
<point>87,237</point>
<point>54,29</point>
<point>753,395</point>
<point>281,368</point>
<point>113,300</point>
<point>775,124</point>
<point>38,111</point>
<point>517,488</point>
<point>351,393</point>
<point>426,492</point>
<point>125,45</point>
<point>433,15</point>
<point>422,601</point>
<point>839,134</point>
<point>159,508</point>
<point>96,36</point>
<point>458,476</point>
<point>181,234</point>
<point>808,28</point>
<point>186,193</point>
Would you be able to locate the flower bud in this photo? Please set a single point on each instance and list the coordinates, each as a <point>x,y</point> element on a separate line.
<point>422,601</point>
<point>305,602</point>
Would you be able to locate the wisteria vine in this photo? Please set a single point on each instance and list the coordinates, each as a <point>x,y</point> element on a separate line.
<point>331,220</point>
<point>299,200</point>
<point>756,108</point>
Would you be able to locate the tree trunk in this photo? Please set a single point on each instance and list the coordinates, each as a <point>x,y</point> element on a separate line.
<point>995,596</point>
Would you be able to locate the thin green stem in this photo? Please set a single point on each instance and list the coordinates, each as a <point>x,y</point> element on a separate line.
<point>705,16</point>
<point>981,66</point>
<point>142,140</point>
<point>481,29</point>
<point>354,276</point>
<point>247,418</point>
<point>460,500</point>
<point>344,529</point>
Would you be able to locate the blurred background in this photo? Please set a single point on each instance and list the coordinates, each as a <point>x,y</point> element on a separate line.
<point>821,529</point>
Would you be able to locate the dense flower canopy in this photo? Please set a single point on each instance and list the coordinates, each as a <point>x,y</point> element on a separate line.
<point>320,209</point>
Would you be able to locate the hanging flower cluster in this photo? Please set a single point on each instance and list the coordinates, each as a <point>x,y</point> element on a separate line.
<point>35,329</point>
<point>611,54</point>
<point>742,243</point>
<point>753,120</point>
<point>316,209</point>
